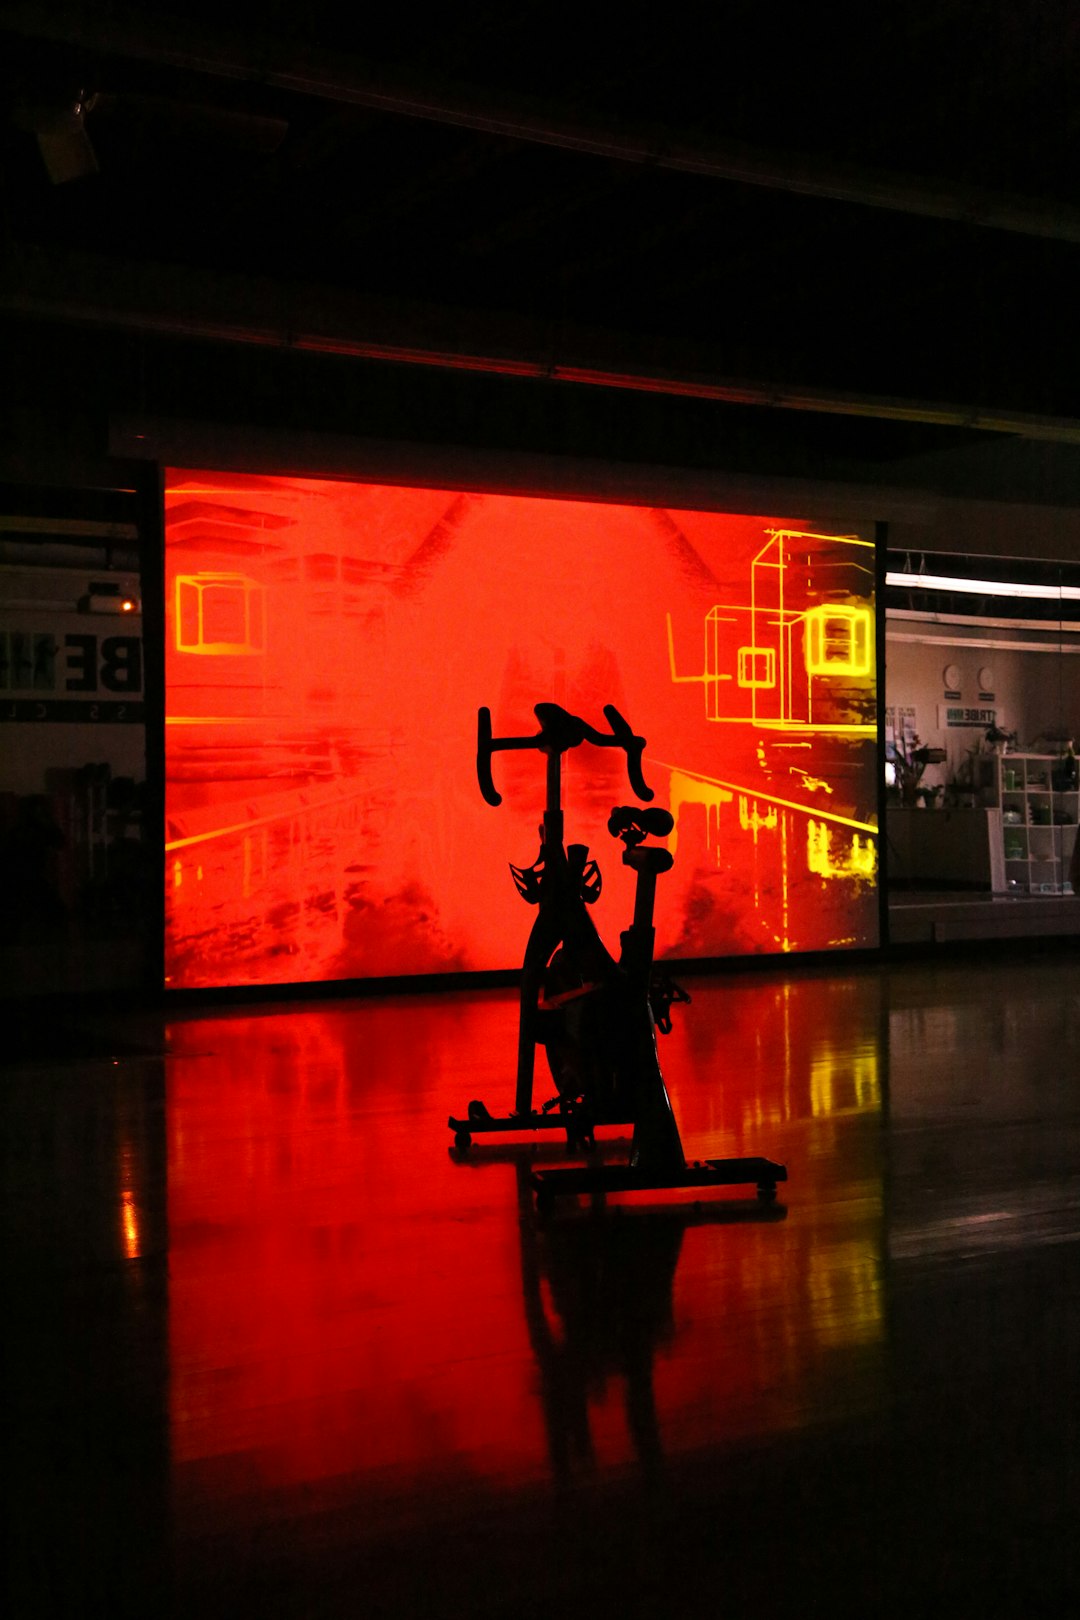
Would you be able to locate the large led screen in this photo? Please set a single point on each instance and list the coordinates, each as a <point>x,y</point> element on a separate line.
<point>329,645</point>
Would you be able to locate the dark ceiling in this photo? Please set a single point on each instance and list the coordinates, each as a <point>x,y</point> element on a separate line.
<point>862,212</point>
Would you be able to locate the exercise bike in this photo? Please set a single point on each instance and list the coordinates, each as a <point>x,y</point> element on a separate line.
<point>596,1018</point>
<point>565,958</point>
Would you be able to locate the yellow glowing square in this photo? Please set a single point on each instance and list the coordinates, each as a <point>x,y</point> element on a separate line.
<point>757,667</point>
<point>218,614</point>
<point>838,640</point>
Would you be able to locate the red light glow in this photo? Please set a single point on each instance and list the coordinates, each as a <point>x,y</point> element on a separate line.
<point>353,1308</point>
<point>329,645</point>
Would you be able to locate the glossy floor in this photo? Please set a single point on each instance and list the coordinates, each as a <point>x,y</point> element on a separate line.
<point>274,1349</point>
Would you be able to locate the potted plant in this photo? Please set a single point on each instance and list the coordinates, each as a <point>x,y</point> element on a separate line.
<point>911,759</point>
<point>1000,740</point>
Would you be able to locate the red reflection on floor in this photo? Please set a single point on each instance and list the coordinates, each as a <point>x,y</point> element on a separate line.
<point>354,1310</point>
<point>329,645</point>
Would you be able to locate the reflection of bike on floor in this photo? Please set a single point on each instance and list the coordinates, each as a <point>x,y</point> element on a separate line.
<point>596,1018</point>
<point>599,1303</point>
<point>599,1297</point>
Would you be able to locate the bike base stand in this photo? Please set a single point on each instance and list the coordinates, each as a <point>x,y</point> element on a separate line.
<point>480,1122</point>
<point>760,1173</point>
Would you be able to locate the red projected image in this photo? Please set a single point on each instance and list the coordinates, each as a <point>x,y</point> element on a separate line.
<point>329,645</point>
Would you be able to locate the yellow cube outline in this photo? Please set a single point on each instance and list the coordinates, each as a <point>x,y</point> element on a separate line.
<point>190,594</point>
<point>857,626</point>
<point>748,657</point>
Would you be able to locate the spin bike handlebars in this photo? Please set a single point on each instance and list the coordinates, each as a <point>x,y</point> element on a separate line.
<point>559,732</point>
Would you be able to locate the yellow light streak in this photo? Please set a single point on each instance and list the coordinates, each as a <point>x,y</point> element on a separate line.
<point>264,821</point>
<point>807,534</point>
<point>731,788</point>
<point>751,819</point>
<point>859,860</point>
<point>131,1224</point>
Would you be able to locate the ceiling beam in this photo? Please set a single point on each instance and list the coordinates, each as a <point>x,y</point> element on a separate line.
<point>185,303</point>
<point>107,31</point>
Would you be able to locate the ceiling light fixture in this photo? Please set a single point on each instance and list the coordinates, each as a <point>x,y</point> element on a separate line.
<point>983,587</point>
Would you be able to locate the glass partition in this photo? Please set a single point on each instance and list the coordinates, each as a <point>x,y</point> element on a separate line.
<point>982,720</point>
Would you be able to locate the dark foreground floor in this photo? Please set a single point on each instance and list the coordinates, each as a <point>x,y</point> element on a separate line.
<point>274,1351</point>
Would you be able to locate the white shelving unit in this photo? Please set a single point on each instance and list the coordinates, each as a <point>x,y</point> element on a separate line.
<point>1032,824</point>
